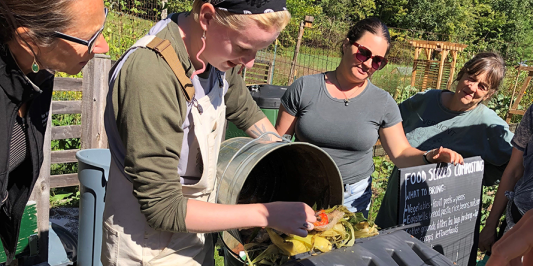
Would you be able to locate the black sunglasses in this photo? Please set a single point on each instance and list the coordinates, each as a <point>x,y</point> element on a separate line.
<point>363,54</point>
<point>90,43</point>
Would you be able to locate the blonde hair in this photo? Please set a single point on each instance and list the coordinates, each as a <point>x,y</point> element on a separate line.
<point>277,20</point>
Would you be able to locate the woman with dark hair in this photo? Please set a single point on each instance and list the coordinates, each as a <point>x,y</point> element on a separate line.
<point>344,113</point>
<point>460,121</point>
<point>165,118</point>
<point>37,38</point>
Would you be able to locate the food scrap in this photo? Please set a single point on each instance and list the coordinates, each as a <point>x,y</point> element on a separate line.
<point>335,228</point>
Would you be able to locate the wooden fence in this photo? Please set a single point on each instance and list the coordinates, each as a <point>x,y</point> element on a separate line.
<point>91,131</point>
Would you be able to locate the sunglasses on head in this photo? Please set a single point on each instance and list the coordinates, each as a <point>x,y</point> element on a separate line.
<point>363,54</point>
<point>90,43</point>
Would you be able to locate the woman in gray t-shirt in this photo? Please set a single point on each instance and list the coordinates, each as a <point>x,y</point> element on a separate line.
<point>344,113</point>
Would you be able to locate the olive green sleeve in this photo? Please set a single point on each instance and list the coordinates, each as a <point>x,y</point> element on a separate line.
<point>148,108</point>
<point>241,108</point>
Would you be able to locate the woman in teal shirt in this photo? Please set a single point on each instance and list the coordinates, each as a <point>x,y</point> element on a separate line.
<point>459,121</point>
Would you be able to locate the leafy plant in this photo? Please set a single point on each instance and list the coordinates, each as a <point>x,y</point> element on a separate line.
<point>380,177</point>
<point>404,93</point>
<point>500,104</point>
<point>64,197</point>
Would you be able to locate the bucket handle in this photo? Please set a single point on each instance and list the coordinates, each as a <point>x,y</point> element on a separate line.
<point>283,139</point>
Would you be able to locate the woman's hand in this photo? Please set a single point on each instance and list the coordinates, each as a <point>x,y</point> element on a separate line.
<point>487,237</point>
<point>515,244</point>
<point>295,218</point>
<point>444,155</point>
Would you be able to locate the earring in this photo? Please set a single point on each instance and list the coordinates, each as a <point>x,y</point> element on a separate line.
<point>203,35</point>
<point>34,66</point>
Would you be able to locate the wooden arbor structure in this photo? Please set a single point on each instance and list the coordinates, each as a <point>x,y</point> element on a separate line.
<point>513,106</point>
<point>428,73</point>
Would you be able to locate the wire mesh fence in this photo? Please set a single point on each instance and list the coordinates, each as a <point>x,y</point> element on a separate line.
<point>319,51</point>
<point>128,21</point>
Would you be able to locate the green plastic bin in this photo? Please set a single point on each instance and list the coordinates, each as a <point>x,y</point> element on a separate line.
<point>268,98</point>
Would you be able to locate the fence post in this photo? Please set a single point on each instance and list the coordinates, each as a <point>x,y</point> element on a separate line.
<point>443,55</point>
<point>415,64</point>
<point>41,195</point>
<point>296,51</point>
<point>164,12</point>
<point>452,69</point>
<point>95,86</point>
<point>273,68</point>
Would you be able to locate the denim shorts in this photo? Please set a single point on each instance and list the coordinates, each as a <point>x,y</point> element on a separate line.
<point>357,196</point>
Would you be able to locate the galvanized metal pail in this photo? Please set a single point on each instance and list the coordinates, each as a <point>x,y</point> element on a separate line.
<point>255,171</point>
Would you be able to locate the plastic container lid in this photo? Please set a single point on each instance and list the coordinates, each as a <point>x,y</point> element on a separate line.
<point>268,96</point>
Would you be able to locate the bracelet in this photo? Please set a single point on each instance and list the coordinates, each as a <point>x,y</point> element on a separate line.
<point>424,156</point>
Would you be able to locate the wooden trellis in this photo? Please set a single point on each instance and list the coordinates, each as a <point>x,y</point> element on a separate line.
<point>513,106</point>
<point>428,73</point>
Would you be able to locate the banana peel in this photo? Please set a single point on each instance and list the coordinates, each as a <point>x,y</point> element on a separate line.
<point>322,244</point>
<point>289,246</point>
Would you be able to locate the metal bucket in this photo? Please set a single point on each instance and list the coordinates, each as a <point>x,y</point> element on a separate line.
<point>255,171</point>
<point>231,256</point>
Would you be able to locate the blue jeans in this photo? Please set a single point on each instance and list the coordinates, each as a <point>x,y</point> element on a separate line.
<point>357,196</point>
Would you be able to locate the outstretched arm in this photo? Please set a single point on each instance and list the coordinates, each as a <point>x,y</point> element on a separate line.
<point>403,155</point>
<point>287,217</point>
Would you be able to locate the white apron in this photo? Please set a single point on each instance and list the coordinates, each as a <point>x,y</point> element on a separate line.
<point>128,239</point>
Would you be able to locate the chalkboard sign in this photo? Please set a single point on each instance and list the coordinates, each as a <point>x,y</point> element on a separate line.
<point>445,199</point>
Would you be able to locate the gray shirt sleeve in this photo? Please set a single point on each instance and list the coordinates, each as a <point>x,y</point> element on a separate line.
<point>292,97</point>
<point>523,131</point>
<point>392,115</point>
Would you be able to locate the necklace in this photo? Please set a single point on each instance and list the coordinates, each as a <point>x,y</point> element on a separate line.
<point>346,98</point>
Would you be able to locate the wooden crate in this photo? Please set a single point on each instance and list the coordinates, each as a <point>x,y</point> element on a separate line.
<point>259,73</point>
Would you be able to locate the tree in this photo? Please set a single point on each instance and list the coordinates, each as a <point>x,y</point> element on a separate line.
<point>349,10</point>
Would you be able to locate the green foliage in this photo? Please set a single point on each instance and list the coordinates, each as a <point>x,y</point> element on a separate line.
<point>298,9</point>
<point>347,9</point>
<point>392,12</point>
<point>380,176</point>
<point>64,197</point>
<point>500,104</point>
<point>383,167</point>
<point>123,30</point>
<point>176,6</point>
<point>487,200</point>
